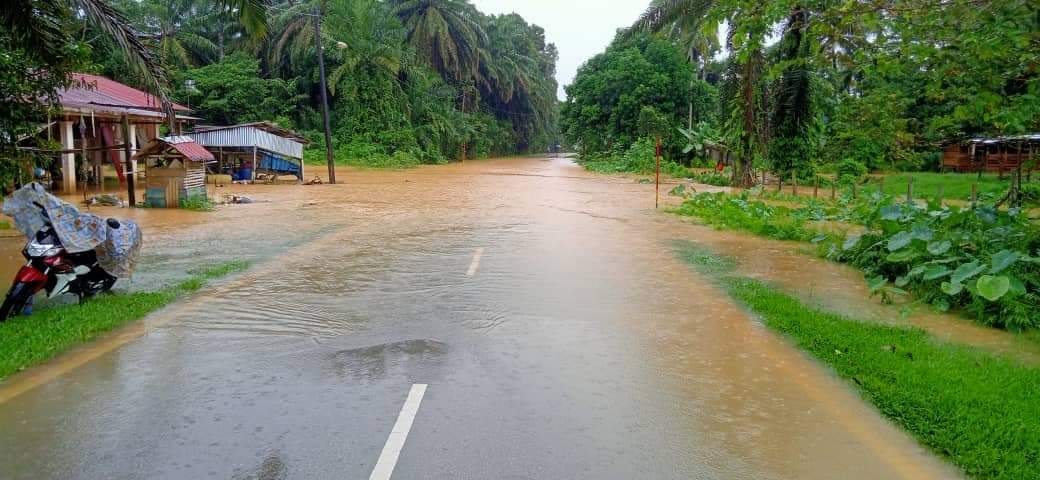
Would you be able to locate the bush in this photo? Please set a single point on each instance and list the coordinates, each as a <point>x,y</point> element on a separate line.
<point>850,170</point>
<point>198,203</point>
<point>718,179</point>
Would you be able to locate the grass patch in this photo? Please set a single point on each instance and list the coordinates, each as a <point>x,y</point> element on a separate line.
<point>363,158</point>
<point>27,341</point>
<point>977,409</point>
<point>954,185</point>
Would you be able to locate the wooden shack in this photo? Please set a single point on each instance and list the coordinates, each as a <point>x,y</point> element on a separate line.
<point>1001,155</point>
<point>175,170</point>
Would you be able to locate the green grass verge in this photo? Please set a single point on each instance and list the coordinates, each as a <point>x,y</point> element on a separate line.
<point>27,341</point>
<point>975,408</point>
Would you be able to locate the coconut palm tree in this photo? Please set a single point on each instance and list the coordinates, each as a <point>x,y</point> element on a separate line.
<point>176,27</point>
<point>446,35</point>
<point>41,27</point>
<point>368,42</point>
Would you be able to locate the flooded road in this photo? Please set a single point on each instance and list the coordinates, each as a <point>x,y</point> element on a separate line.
<point>544,307</point>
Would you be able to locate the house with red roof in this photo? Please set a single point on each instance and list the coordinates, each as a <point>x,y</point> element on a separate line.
<point>89,127</point>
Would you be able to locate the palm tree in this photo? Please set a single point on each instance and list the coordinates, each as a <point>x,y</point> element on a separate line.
<point>795,98</point>
<point>745,125</point>
<point>368,42</point>
<point>176,27</point>
<point>41,28</point>
<point>446,35</point>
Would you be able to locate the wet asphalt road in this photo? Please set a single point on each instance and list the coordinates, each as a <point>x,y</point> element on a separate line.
<point>575,346</point>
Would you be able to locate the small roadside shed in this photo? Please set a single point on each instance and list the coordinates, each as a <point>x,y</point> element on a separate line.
<point>246,150</point>
<point>175,170</point>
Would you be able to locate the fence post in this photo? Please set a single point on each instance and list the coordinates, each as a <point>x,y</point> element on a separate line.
<point>834,189</point>
<point>816,188</point>
<point>974,194</point>
<point>942,194</point>
<point>780,182</point>
<point>853,190</point>
<point>794,178</point>
<point>910,190</point>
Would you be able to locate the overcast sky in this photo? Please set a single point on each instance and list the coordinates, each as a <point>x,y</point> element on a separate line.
<point>579,28</point>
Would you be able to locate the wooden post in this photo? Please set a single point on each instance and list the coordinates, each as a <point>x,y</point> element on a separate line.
<point>657,171</point>
<point>780,182</point>
<point>794,179</point>
<point>974,194</point>
<point>131,193</point>
<point>910,190</point>
<point>816,188</point>
<point>834,189</point>
<point>853,190</point>
<point>254,163</point>
<point>941,194</point>
<point>68,156</point>
<point>763,177</point>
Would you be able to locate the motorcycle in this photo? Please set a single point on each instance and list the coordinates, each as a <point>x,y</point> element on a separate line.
<point>67,252</point>
<point>52,268</point>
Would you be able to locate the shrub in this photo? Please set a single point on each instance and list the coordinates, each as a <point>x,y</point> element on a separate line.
<point>198,203</point>
<point>850,170</point>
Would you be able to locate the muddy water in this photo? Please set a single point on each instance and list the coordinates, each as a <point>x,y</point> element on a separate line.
<point>579,348</point>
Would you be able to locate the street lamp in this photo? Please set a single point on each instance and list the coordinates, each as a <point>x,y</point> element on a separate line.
<point>189,86</point>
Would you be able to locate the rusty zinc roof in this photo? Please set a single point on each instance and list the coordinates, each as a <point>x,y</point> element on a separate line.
<point>98,93</point>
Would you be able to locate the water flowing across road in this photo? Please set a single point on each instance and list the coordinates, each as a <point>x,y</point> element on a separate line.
<point>544,307</point>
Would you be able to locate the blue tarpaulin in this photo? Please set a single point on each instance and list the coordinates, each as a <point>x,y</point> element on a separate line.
<point>280,164</point>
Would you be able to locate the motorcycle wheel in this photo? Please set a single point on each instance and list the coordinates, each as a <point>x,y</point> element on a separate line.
<point>15,300</point>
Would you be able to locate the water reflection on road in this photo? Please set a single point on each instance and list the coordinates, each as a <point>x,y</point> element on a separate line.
<point>581,348</point>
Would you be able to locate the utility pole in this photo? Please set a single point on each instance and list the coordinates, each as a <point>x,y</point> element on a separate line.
<point>324,98</point>
<point>131,192</point>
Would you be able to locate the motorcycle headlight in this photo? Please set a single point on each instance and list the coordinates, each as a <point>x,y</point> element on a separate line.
<point>41,250</point>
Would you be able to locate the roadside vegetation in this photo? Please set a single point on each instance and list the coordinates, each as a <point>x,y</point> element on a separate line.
<point>814,93</point>
<point>975,408</point>
<point>28,340</point>
<point>983,262</point>
<point>198,203</point>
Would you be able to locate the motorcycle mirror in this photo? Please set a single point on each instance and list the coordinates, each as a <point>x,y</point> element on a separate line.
<point>113,223</point>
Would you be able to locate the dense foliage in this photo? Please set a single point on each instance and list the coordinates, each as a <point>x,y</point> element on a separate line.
<point>605,101</point>
<point>422,81</point>
<point>808,84</point>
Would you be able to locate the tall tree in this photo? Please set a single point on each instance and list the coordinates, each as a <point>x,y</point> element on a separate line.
<point>446,34</point>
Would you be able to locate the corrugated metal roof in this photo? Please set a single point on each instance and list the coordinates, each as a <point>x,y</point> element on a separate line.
<point>182,144</point>
<point>268,127</point>
<point>97,92</point>
<point>249,136</point>
<point>193,151</point>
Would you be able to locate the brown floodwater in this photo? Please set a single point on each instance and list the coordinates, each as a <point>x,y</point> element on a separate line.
<point>575,345</point>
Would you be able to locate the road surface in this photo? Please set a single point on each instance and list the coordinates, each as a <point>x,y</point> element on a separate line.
<point>504,319</point>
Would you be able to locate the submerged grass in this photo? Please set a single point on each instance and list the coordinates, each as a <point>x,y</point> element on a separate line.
<point>26,341</point>
<point>975,408</point>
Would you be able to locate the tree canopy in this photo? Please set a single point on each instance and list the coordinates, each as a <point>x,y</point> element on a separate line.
<point>430,79</point>
<point>804,84</point>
